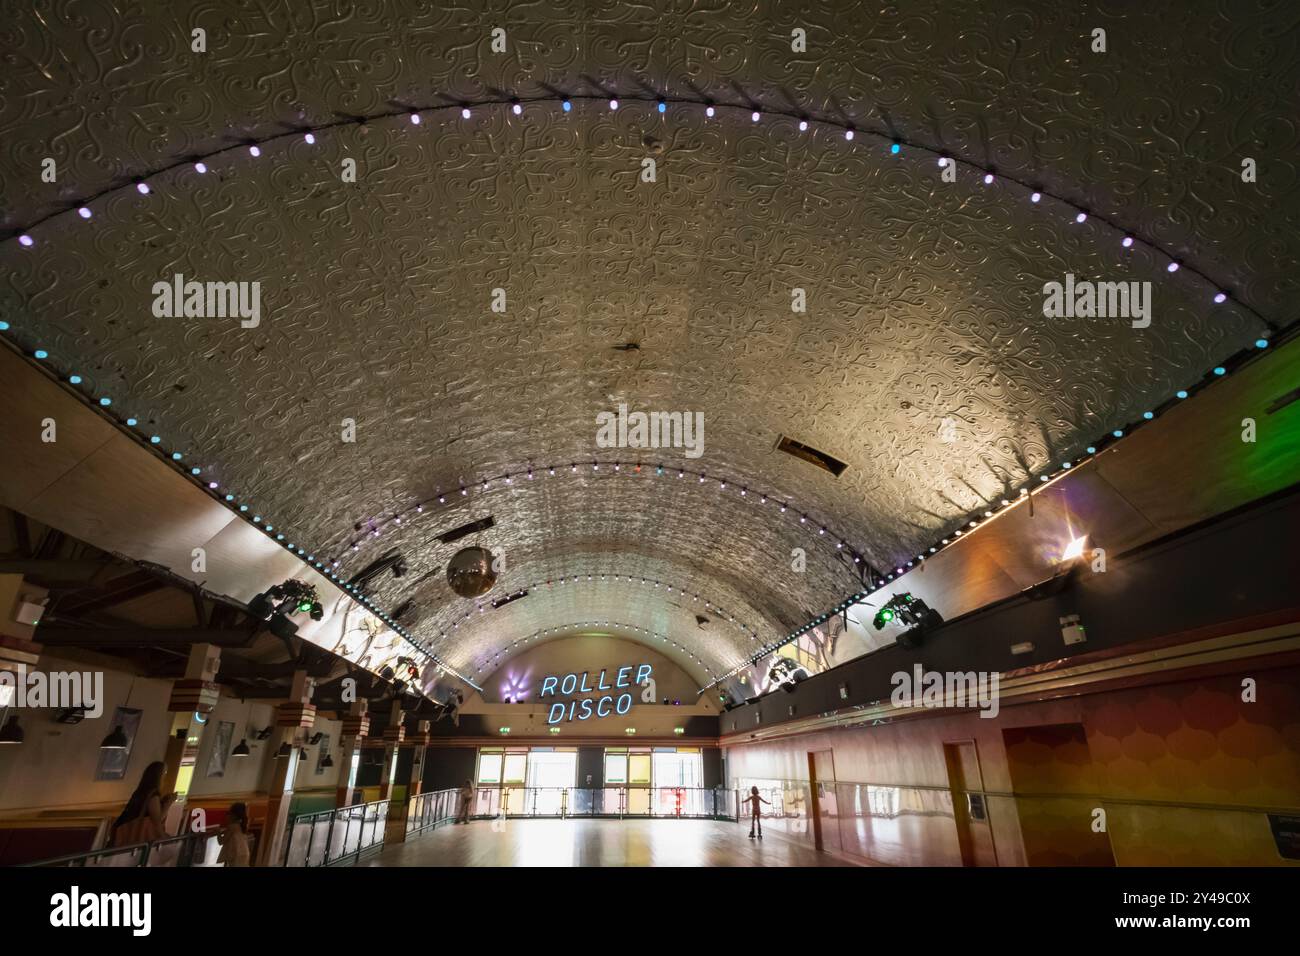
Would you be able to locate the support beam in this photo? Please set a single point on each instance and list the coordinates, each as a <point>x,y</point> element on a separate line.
<point>54,635</point>
<point>128,587</point>
<point>55,572</point>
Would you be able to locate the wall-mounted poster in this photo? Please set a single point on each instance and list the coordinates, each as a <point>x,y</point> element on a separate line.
<point>112,763</point>
<point>221,749</point>
<point>321,754</point>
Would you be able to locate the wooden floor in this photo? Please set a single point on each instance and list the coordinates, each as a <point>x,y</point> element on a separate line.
<point>599,843</point>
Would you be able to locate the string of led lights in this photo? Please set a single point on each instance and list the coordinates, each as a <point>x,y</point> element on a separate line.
<point>375,527</point>
<point>772,646</point>
<point>897,145</point>
<point>603,576</point>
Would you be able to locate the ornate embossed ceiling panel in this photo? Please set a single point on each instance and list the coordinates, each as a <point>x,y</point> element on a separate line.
<point>924,297</point>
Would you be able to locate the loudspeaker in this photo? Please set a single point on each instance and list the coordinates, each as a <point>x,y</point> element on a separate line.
<point>912,638</point>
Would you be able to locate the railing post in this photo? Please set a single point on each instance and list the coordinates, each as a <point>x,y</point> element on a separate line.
<point>329,837</point>
<point>311,838</point>
<point>347,831</point>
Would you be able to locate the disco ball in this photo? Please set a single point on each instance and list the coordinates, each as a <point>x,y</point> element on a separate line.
<point>470,572</point>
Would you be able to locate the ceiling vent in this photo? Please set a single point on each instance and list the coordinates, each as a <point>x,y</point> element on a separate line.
<point>501,602</point>
<point>811,455</point>
<point>465,530</point>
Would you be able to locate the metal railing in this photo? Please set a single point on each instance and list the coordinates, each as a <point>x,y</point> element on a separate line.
<point>337,836</point>
<point>699,803</point>
<point>188,849</point>
<point>342,836</point>
<point>429,810</point>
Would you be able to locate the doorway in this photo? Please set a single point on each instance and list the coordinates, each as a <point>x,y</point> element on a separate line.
<point>825,809</point>
<point>551,774</point>
<point>970,808</point>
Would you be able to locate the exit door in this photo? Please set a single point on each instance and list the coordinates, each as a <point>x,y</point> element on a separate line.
<point>551,776</point>
<point>970,809</point>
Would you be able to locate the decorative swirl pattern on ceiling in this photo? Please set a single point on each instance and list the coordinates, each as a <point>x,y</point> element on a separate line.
<point>924,297</point>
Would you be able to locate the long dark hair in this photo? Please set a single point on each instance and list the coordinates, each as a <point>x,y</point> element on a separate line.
<point>239,812</point>
<point>150,782</point>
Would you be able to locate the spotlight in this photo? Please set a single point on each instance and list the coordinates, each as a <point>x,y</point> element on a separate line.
<point>116,740</point>
<point>908,610</point>
<point>241,748</point>
<point>1075,548</point>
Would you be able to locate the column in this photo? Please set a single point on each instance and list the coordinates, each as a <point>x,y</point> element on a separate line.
<point>394,734</point>
<point>398,814</point>
<point>293,718</point>
<point>193,698</point>
<point>21,606</point>
<point>356,727</point>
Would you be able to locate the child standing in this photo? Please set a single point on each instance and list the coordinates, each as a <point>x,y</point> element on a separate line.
<point>756,818</point>
<point>234,837</point>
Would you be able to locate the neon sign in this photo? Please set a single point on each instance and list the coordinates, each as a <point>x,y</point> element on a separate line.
<point>588,707</point>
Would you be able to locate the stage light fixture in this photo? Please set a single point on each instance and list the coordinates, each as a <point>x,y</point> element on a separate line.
<point>906,609</point>
<point>1075,548</point>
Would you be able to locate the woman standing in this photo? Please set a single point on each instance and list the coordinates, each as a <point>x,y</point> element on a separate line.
<point>142,820</point>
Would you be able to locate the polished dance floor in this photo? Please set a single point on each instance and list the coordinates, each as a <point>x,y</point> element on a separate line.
<point>599,843</point>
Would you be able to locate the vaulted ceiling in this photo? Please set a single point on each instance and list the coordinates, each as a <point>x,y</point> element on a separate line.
<point>923,360</point>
